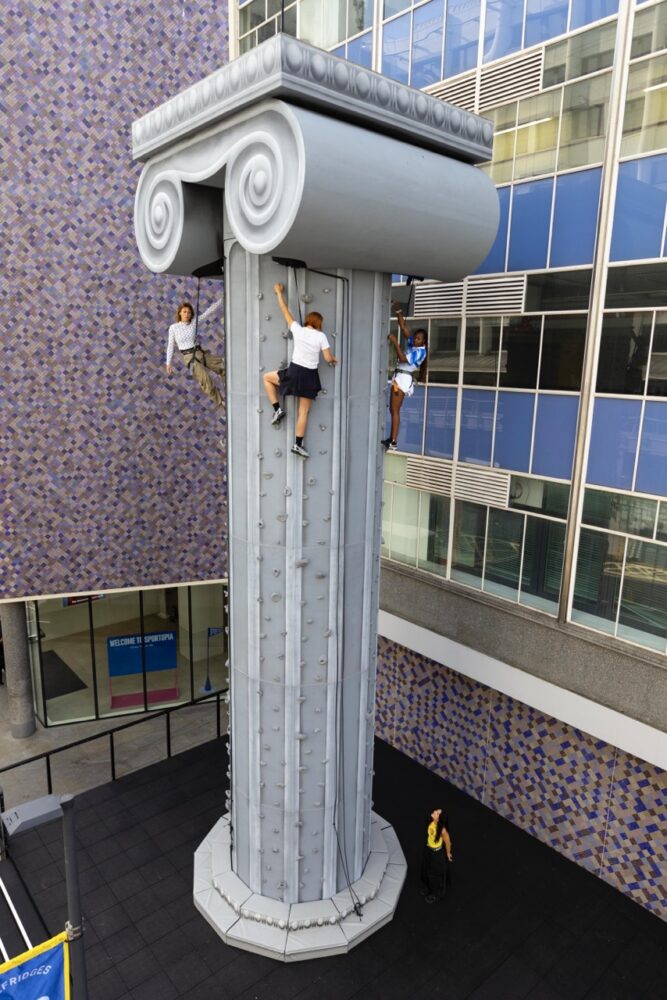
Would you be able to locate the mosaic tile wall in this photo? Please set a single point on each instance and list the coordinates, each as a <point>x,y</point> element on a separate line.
<point>110,473</point>
<point>597,805</point>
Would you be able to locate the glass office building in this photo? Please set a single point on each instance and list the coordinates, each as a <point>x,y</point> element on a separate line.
<point>532,462</point>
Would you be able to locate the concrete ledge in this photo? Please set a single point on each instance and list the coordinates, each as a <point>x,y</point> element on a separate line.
<point>292,932</point>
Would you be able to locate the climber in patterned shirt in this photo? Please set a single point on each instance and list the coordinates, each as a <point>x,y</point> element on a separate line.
<point>403,379</point>
<point>183,334</point>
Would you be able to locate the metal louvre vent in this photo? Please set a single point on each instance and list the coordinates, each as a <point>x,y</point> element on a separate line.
<point>432,474</point>
<point>511,79</point>
<point>485,486</point>
<point>460,92</point>
<point>433,298</point>
<point>496,296</point>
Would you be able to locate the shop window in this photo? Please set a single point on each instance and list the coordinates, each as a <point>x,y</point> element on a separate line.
<point>529,230</point>
<point>513,430</point>
<point>542,570</point>
<point>645,120</point>
<point>583,126</point>
<point>469,538</point>
<point>495,259</point>
<point>476,426</point>
<point>555,429</point>
<point>619,512</point>
<point>638,286</point>
<point>642,616</point>
<point>427,28</point>
<point>503,28</point>
<point>639,214</point>
<point>560,291</point>
<point>68,674</point>
<point>624,348</point>
<point>579,55</point>
<point>563,342</point>
<point>657,377</point>
<point>440,422</point>
<point>461,36</point>
<point>613,443</point>
<point>597,584</point>
<point>652,465</point>
<point>404,525</point>
<point>482,351</point>
<point>537,135</point>
<point>503,553</point>
<point>575,218</point>
<point>520,352</point>
<point>208,639</point>
<point>396,49</point>
<point>586,11</point>
<point>545,19</point>
<point>433,533</point>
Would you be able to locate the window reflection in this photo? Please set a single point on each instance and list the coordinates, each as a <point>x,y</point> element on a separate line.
<point>624,349</point>
<point>643,612</point>
<point>638,285</point>
<point>520,352</point>
<point>598,580</point>
<point>645,121</point>
<point>618,512</point>
<point>542,568</point>
<point>537,134</point>
<point>503,553</point>
<point>657,378</point>
<point>580,55</point>
<point>563,342</point>
<point>584,122</point>
<point>649,33</point>
<point>480,363</point>
<point>433,533</point>
<point>443,350</point>
<point>469,537</point>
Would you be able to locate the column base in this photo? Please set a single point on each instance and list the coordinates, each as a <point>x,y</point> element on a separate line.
<point>293,932</point>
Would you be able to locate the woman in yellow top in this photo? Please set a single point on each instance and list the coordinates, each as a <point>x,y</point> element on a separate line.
<point>437,852</point>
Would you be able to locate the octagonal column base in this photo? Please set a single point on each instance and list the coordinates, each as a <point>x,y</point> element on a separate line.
<point>293,932</point>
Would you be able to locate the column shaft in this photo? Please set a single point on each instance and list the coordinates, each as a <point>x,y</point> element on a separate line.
<point>18,677</point>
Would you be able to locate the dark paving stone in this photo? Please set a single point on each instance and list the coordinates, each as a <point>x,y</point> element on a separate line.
<point>137,968</point>
<point>107,986</point>
<point>159,987</point>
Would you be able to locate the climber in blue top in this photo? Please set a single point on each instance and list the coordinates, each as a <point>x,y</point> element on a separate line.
<point>403,379</point>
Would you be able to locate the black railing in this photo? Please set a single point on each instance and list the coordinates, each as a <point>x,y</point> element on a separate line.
<point>111,733</point>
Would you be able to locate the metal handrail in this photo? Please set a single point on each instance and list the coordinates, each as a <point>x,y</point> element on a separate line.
<point>110,733</point>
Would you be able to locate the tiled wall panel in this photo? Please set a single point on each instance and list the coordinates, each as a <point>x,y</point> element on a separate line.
<point>597,805</point>
<point>110,473</point>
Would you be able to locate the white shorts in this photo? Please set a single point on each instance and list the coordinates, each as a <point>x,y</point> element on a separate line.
<point>404,382</point>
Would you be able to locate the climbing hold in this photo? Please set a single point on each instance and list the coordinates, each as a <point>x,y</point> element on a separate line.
<point>312,481</point>
<point>267,475</point>
<point>323,427</point>
<point>281,517</point>
<point>278,453</point>
<point>287,492</point>
<point>305,524</point>
<point>260,295</point>
<point>300,563</point>
<point>327,633</point>
<point>275,598</point>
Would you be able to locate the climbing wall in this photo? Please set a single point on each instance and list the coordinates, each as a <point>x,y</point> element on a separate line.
<point>304,556</point>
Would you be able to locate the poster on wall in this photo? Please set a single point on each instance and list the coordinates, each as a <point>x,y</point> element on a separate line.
<point>70,602</point>
<point>39,974</point>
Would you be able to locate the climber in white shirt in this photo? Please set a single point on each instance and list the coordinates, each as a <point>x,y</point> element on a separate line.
<point>183,335</point>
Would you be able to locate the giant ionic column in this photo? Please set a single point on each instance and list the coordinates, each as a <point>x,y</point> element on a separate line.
<point>294,154</point>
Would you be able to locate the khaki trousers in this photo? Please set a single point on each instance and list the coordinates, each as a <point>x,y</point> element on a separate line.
<point>202,372</point>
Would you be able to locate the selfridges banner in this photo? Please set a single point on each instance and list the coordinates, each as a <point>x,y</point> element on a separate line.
<point>39,974</point>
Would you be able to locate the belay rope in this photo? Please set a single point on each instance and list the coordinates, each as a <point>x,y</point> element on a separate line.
<point>196,347</point>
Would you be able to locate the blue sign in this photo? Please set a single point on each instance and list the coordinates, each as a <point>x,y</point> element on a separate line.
<point>39,974</point>
<point>214,630</point>
<point>124,654</point>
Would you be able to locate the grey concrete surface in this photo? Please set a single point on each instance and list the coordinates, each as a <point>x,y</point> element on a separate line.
<point>18,679</point>
<point>630,682</point>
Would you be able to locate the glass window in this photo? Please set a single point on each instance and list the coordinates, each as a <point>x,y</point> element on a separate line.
<point>427,27</point>
<point>657,375</point>
<point>501,167</point>
<point>67,665</point>
<point>469,534</point>
<point>618,512</point>
<point>652,465</point>
<point>118,654</point>
<point>537,134</point>
<point>640,285</point>
<point>529,231</point>
<point>461,36</point>
<point>645,121</point>
<point>251,15</point>
<point>503,553</point>
<point>597,582</point>
<point>539,495</point>
<point>404,525</point>
<point>563,341</point>
<point>661,532</point>
<point>649,32</point>
<point>392,7</point>
<point>555,428</point>
<point>444,344</point>
<point>643,614</point>
<point>613,445</point>
<point>412,421</point>
<point>433,533</point>
<point>480,362</point>
<point>440,422</point>
<point>476,426</point>
<point>624,348</point>
<point>580,55</point>
<point>558,292</point>
<point>387,501</point>
<point>520,352</point>
<point>584,122</point>
<point>543,547</point>
<point>359,15</point>
<point>503,27</point>
<point>575,218</point>
<point>514,430</point>
<point>639,215</point>
<point>395,468</point>
<point>209,638</point>
<point>396,49</point>
<point>322,23</point>
<point>495,259</point>
<point>586,11</point>
<point>361,50</point>
<point>266,30</point>
<point>545,19</point>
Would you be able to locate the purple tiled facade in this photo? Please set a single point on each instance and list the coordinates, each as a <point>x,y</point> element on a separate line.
<point>111,474</point>
<point>597,805</point>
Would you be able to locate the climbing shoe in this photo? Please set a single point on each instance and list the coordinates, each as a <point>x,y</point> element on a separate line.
<point>298,449</point>
<point>389,445</point>
<point>278,416</point>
